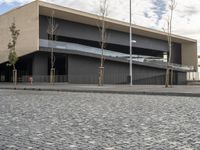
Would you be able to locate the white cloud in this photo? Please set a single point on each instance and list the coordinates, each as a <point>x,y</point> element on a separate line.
<point>11,1</point>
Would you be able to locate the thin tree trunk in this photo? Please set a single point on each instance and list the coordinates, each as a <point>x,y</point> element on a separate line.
<point>167,78</point>
<point>171,74</point>
<point>14,75</point>
<point>172,7</point>
<point>52,28</point>
<point>102,29</point>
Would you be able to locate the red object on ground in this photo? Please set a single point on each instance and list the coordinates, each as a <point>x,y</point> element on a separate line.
<point>30,79</point>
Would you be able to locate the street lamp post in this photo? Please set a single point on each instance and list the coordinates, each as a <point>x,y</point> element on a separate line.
<point>131,59</point>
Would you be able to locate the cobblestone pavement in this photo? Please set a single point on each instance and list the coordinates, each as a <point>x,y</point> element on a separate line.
<point>88,121</point>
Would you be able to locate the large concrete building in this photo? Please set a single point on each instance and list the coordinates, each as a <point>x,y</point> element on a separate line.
<point>77,49</point>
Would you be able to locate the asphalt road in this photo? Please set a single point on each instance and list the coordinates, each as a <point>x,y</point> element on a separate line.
<point>89,121</point>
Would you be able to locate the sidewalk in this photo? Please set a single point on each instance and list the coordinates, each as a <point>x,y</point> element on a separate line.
<point>183,90</point>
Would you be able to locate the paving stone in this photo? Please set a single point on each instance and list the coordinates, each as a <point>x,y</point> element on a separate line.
<point>89,121</point>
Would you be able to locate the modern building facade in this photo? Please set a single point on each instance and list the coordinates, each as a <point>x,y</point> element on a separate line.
<point>77,49</point>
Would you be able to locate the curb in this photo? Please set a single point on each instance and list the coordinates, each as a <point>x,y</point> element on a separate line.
<point>107,92</point>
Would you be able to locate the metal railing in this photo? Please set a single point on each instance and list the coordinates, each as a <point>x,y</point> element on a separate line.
<point>43,78</point>
<point>156,61</point>
<point>172,65</point>
<point>116,78</point>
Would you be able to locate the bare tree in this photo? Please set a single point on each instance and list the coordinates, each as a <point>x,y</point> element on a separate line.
<point>12,57</point>
<point>51,30</point>
<point>103,12</point>
<point>169,70</point>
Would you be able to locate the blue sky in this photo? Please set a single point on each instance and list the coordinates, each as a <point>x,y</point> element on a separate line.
<point>8,6</point>
<point>148,13</point>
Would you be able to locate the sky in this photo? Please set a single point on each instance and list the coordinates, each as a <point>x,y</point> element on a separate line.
<point>147,13</point>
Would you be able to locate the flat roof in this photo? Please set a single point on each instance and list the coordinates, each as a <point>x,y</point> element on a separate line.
<point>92,19</point>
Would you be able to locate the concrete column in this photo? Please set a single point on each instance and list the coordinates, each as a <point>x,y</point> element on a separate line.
<point>189,55</point>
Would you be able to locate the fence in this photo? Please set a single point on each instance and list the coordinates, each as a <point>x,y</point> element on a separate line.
<point>117,78</point>
<point>58,78</point>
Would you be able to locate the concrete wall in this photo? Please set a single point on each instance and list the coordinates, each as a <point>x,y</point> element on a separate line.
<point>85,70</point>
<point>27,21</point>
<point>190,55</point>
